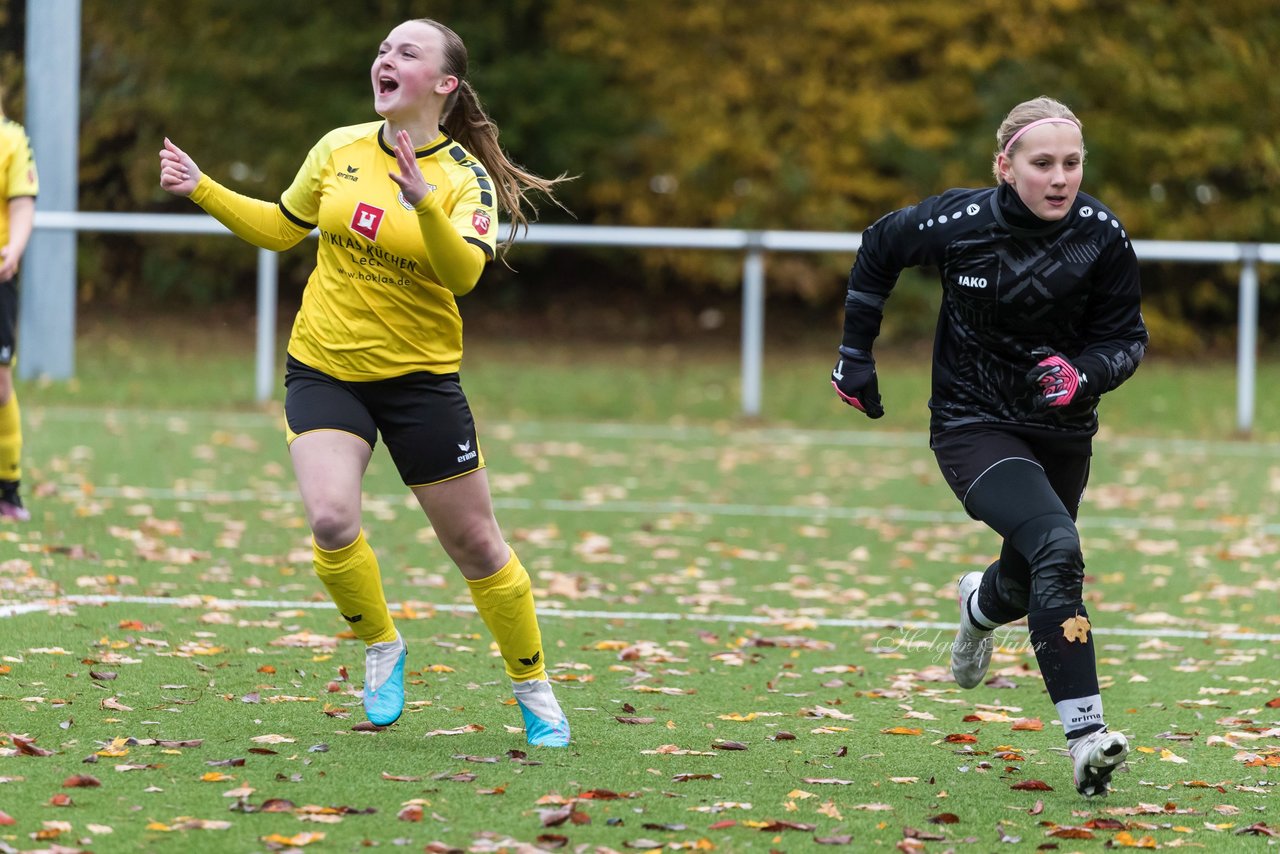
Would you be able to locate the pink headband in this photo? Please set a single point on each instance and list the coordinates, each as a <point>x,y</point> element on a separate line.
<point>1051,120</point>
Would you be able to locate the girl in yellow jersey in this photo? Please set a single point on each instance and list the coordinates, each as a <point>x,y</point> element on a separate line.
<point>18,187</point>
<point>407,214</point>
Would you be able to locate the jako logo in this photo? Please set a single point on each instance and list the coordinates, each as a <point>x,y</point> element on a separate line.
<point>971,282</point>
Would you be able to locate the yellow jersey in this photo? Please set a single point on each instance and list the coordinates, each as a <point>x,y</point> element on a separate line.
<point>17,171</point>
<point>373,308</point>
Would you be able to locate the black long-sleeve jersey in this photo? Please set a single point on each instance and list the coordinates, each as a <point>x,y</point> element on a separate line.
<point>1012,283</point>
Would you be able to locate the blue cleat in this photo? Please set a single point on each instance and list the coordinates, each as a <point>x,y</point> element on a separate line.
<point>544,723</point>
<point>384,681</point>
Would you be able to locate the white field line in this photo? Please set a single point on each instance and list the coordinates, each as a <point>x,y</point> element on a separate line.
<point>662,508</point>
<point>856,435</point>
<point>213,603</point>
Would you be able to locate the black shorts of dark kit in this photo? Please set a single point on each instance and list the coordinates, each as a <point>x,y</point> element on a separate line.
<point>965,454</point>
<point>1020,480</point>
<point>8,321</point>
<point>424,418</point>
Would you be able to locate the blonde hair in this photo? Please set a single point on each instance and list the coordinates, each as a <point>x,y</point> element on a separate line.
<point>466,121</point>
<point>1024,114</point>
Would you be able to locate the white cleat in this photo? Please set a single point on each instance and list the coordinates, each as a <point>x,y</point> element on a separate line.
<point>1094,757</point>
<point>971,652</point>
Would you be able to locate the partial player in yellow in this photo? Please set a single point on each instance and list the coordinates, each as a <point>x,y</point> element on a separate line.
<point>18,187</point>
<point>407,210</point>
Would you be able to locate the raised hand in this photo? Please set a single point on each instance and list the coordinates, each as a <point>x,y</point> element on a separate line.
<point>178,172</point>
<point>412,185</point>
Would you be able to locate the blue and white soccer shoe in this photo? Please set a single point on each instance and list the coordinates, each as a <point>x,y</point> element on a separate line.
<point>384,681</point>
<point>544,723</point>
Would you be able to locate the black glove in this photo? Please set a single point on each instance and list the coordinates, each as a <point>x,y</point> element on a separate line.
<point>1056,380</point>
<point>854,379</point>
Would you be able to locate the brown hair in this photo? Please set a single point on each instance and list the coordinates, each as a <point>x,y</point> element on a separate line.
<point>1024,114</point>
<point>466,121</point>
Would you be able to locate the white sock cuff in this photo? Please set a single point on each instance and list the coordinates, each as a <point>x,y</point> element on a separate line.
<point>537,697</point>
<point>975,613</point>
<point>1080,713</point>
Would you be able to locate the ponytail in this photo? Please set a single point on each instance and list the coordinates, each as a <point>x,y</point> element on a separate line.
<point>467,122</point>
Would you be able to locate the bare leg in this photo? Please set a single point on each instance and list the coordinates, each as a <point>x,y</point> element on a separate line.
<point>330,466</point>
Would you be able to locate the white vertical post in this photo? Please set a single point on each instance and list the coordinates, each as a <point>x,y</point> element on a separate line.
<point>752,327</point>
<point>1247,339</point>
<point>266,349</point>
<point>47,316</point>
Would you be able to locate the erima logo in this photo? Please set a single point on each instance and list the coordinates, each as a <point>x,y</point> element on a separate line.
<point>467,453</point>
<point>529,662</point>
<point>972,282</point>
<point>357,618</point>
<point>1086,714</point>
<point>350,174</point>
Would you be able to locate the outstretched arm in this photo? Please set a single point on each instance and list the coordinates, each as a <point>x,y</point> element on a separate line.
<point>261,223</point>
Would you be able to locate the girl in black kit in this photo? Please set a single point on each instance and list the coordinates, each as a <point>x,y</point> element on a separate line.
<point>1040,316</point>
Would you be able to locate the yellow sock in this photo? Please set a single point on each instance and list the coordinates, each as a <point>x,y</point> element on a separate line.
<point>505,602</point>
<point>351,576</point>
<point>10,439</point>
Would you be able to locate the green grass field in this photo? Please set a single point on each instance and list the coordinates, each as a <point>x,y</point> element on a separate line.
<point>748,623</point>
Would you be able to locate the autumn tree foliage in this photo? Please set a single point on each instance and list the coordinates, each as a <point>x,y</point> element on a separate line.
<point>816,116</point>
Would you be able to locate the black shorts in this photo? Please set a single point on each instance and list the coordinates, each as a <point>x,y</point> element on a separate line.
<point>424,418</point>
<point>964,454</point>
<point>8,321</point>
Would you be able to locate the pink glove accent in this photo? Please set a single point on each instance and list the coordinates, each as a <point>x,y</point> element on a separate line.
<point>852,401</point>
<point>1059,381</point>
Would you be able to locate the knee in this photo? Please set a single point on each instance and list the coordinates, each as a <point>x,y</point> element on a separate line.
<point>475,545</point>
<point>333,528</point>
<point>1057,566</point>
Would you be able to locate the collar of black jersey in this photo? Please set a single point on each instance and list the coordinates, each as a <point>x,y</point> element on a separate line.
<point>1011,213</point>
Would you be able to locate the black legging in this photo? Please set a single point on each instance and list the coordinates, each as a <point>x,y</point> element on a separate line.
<point>1034,508</point>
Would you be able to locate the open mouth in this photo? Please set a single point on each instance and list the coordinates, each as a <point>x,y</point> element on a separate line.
<point>386,85</point>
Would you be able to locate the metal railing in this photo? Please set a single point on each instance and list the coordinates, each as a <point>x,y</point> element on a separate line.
<point>754,245</point>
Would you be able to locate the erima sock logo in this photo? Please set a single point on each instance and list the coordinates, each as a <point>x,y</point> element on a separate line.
<point>529,662</point>
<point>1086,714</point>
<point>357,618</point>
